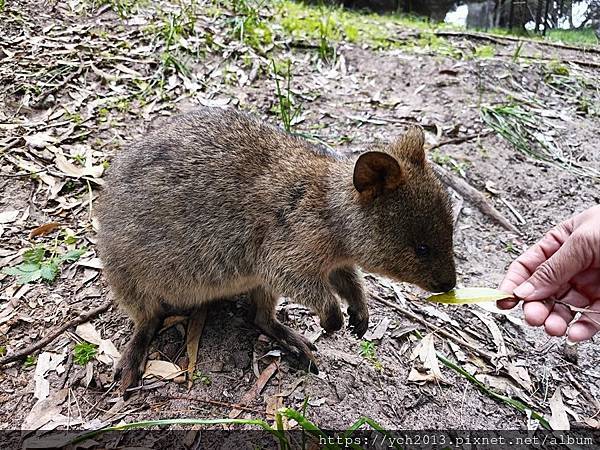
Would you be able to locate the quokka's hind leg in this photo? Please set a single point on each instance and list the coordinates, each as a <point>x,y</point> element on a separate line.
<point>264,302</point>
<point>148,315</point>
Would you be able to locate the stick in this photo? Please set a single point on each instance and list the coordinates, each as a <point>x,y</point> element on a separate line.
<point>82,318</point>
<point>459,140</point>
<point>438,330</point>
<point>214,402</point>
<point>474,196</point>
<point>499,40</point>
<point>257,388</point>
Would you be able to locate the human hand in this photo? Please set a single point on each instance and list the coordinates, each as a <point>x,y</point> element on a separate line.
<point>564,265</point>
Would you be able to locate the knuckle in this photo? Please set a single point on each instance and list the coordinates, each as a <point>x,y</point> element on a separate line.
<point>546,272</point>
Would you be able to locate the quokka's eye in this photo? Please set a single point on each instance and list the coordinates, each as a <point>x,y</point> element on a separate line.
<point>422,250</point>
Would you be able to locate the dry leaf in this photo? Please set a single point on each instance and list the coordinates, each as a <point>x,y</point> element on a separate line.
<point>107,352</point>
<point>379,330</point>
<point>92,263</point>
<point>163,370</point>
<point>520,375</point>
<point>194,333</point>
<point>9,216</point>
<point>559,419</point>
<point>39,140</point>
<point>45,410</point>
<point>74,171</point>
<point>44,229</point>
<point>425,352</point>
<point>491,324</point>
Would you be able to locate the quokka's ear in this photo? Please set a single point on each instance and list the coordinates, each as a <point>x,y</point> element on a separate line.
<point>376,173</point>
<point>410,146</point>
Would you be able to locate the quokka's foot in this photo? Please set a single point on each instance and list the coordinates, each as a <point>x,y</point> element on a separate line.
<point>129,372</point>
<point>358,322</point>
<point>293,342</point>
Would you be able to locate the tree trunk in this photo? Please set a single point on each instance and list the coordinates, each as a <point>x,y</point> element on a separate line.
<point>546,16</point>
<point>538,16</point>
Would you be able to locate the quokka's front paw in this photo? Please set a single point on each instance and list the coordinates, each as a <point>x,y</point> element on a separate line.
<point>358,322</point>
<point>332,320</point>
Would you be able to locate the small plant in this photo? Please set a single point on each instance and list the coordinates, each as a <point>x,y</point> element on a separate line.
<point>517,53</point>
<point>2,350</point>
<point>30,361</point>
<point>326,28</point>
<point>36,265</point>
<point>485,51</point>
<point>287,111</point>
<point>510,248</point>
<point>367,351</point>
<point>557,68</point>
<point>84,352</point>
<point>203,378</point>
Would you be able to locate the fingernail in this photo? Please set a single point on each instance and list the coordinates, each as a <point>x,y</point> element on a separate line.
<point>524,290</point>
<point>570,343</point>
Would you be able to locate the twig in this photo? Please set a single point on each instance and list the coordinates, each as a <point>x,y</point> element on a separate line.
<point>436,329</point>
<point>585,311</point>
<point>474,196</point>
<point>498,40</point>
<point>459,140</point>
<point>257,388</point>
<point>214,402</point>
<point>54,334</point>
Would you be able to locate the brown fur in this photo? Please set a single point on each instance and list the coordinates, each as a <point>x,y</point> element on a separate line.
<point>217,203</point>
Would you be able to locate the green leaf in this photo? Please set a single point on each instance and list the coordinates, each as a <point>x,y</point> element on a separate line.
<point>469,295</point>
<point>34,255</point>
<point>25,272</point>
<point>49,271</point>
<point>71,256</point>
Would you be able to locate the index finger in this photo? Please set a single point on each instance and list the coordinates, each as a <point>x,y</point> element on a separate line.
<point>517,273</point>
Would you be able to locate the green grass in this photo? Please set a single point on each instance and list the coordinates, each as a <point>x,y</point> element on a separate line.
<point>528,133</point>
<point>287,109</point>
<point>584,36</point>
<point>311,433</point>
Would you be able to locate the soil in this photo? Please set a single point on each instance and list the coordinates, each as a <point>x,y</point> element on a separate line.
<point>366,96</point>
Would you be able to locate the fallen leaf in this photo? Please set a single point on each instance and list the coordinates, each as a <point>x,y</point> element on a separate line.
<point>426,354</point>
<point>39,140</point>
<point>9,216</point>
<point>42,386</point>
<point>92,263</point>
<point>379,330</point>
<point>45,410</point>
<point>74,171</point>
<point>559,419</point>
<point>491,324</point>
<point>107,352</point>
<point>44,229</point>
<point>163,370</point>
<point>469,295</point>
<point>194,333</point>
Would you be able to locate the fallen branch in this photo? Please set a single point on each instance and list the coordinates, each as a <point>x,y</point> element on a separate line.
<point>498,39</point>
<point>405,312</point>
<point>257,388</point>
<point>82,318</point>
<point>192,398</point>
<point>459,140</point>
<point>474,196</point>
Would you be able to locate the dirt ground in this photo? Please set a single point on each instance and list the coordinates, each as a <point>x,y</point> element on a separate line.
<point>367,95</point>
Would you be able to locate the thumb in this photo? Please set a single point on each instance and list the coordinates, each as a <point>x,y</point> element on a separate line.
<point>569,260</point>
